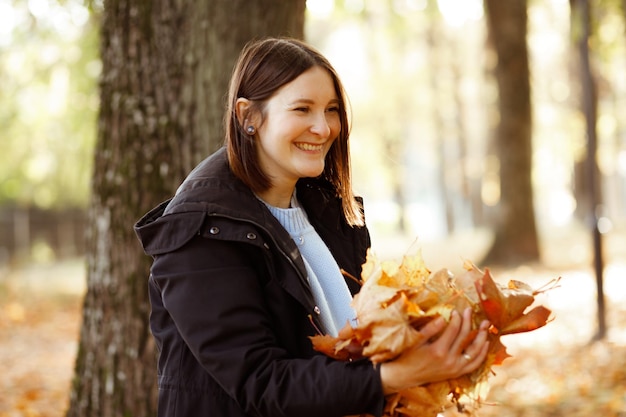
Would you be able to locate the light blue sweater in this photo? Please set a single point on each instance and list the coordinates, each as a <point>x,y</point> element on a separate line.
<point>327,283</point>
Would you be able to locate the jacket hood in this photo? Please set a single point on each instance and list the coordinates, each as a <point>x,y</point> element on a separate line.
<point>209,189</point>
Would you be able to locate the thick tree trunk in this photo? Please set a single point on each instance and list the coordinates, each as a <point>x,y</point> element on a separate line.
<point>515,229</point>
<point>166,65</point>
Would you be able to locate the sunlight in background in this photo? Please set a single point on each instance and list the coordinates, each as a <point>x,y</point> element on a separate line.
<point>354,6</point>
<point>9,19</point>
<point>39,8</point>
<point>66,19</point>
<point>621,162</point>
<point>409,6</point>
<point>457,12</point>
<point>320,8</point>
<point>347,52</point>
<point>561,206</point>
<point>58,90</point>
<point>490,191</point>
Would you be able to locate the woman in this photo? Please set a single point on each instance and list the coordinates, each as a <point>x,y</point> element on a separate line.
<point>247,259</point>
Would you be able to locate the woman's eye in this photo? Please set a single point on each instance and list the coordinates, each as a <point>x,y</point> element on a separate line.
<point>301,109</point>
<point>333,109</point>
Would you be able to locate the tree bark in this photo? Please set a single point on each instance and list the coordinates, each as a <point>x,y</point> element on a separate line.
<point>515,229</point>
<point>166,66</point>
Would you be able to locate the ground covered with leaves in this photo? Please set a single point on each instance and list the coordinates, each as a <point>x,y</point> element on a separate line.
<point>38,344</point>
<point>557,370</point>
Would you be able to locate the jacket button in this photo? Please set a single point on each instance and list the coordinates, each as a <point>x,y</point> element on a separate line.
<point>251,236</point>
<point>214,230</point>
<point>317,310</point>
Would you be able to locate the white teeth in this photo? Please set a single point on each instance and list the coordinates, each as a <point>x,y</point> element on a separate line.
<point>309,147</point>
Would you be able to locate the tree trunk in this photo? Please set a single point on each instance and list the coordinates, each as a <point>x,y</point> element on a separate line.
<point>166,65</point>
<point>515,230</point>
<point>580,184</point>
<point>434,34</point>
<point>581,12</point>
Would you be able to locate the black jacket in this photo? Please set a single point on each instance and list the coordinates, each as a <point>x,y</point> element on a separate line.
<point>232,310</point>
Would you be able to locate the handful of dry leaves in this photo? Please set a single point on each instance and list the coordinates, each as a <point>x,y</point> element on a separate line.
<point>396,301</point>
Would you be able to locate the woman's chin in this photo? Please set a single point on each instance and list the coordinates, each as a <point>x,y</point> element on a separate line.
<point>312,173</point>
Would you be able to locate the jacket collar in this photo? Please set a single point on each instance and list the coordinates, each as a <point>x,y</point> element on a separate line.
<point>211,189</point>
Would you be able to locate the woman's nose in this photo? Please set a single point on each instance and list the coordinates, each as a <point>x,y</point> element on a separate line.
<point>321,125</point>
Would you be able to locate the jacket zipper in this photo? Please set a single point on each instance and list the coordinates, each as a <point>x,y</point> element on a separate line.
<point>302,277</point>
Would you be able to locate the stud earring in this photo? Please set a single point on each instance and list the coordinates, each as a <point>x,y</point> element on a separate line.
<point>250,130</point>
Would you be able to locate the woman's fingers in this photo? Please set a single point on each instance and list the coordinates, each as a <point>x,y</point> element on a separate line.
<point>480,339</point>
<point>450,333</point>
<point>439,356</point>
<point>476,352</point>
<point>450,344</point>
<point>473,360</point>
<point>465,355</point>
<point>464,332</point>
<point>433,328</point>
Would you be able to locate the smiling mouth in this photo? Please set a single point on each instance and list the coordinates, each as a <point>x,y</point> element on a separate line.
<point>309,147</point>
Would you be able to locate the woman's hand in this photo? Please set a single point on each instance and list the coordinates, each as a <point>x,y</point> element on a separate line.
<point>441,356</point>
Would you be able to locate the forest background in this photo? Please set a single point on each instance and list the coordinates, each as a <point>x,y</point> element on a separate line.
<point>420,76</point>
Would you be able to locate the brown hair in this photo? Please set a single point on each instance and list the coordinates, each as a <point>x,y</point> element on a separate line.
<point>263,67</point>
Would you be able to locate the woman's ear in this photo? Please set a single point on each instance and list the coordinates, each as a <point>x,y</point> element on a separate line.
<point>242,106</point>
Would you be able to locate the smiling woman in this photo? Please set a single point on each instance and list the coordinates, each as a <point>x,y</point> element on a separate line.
<point>299,125</point>
<point>287,83</point>
<point>249,254</point>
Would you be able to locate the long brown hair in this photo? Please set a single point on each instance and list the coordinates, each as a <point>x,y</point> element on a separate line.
<point>263,67</point>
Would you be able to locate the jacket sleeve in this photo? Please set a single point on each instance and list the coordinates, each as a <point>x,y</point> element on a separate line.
<point>215,296</point>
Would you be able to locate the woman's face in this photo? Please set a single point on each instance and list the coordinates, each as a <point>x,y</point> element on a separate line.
<point>301,123</point>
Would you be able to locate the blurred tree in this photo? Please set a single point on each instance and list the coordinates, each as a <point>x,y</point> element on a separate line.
<point>592,197</point>
<point>447,114</point>
<point>599,18</point>
<point>439,81</point>
<point>515,229</point>
<point>165,72</point>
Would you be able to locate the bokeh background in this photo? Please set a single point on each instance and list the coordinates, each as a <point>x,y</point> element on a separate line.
<point>419,74</point>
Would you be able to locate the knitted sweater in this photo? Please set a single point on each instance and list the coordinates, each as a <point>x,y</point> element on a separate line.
<point>327,283</point>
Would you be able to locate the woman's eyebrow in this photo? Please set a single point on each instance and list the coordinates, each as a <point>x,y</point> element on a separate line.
<point>310,101</point>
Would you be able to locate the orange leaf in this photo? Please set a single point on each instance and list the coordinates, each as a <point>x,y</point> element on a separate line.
<point>534,319</point>
<point>505,307</point>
